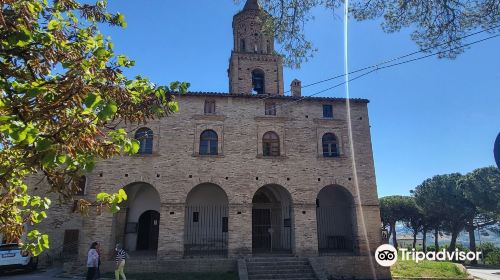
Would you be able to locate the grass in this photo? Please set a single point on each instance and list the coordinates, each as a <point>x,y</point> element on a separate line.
<point>177,276</point>
<point>426,269</point>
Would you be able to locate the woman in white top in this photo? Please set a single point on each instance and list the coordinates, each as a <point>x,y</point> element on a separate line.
<point>92,261</point>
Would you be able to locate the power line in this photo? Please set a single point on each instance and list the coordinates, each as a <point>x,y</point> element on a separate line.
<point>377,65</point>
<point>387,66</point>
<point>402,56</point>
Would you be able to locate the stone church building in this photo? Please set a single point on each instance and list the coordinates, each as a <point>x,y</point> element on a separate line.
<point>260,171</point>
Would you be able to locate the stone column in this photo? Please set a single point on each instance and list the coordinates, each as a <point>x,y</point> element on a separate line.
<point>368,232</point>
<point>171,236</point>
<point>97,228</point>
<point>305,230</point>
<point>240,230</point>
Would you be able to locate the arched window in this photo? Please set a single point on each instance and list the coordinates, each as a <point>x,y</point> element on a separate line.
<point>258,81</point>
<point>209,143</point>
<point>243,46</point>
<point>271,144</point>
<point>330,145</point>
<point>145,137</point>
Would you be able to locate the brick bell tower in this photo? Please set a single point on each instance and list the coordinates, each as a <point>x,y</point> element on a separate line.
<point>254,68</point>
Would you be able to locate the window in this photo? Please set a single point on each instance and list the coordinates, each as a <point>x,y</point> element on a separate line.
<point>242,45</point>
<point>209,106</point>
<point>270,109</point>
<point>258,81</point>
<point>145,137</point>
<point>196,217</point>
<point>81,183</point>
<point>327,111</point>
<point>209,143</point>
<point>271,144</point>
<point>70,242</point>
<point>268,47</point>
<point>330,145</point>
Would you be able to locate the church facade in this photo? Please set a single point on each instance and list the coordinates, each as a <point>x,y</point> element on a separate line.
<point>254,172</point>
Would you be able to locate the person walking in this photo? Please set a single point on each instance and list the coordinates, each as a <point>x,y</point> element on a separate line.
<point>92,261</point>
<point>98,271</point>
<point>120,262</point>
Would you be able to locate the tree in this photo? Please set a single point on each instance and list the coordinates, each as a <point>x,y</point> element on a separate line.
<point>440,196</point>
<point>413,219</point>
<point>439,25</point>
<point>63,97</point>
<point>482,188</point>
<point>394,209</point>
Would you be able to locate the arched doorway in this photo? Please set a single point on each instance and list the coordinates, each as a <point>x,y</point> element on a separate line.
<point>335,215</point>
<point>206,224</point>
<point>271,220</point>
<point>137,223</point>
<point>148,230</point>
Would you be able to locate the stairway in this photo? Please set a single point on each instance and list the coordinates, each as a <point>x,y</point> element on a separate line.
<point>267,268</point>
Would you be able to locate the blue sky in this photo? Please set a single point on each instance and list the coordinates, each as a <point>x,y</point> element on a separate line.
<point>430,117</point>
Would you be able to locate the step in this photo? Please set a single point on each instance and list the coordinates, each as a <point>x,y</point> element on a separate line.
<point>279,268</point>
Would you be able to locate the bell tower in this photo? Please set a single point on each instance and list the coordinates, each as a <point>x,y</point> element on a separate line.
<point>254,67</point>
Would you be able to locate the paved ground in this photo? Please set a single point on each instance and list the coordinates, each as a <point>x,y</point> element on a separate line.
<point>485,273</point>
<point>41,274</point>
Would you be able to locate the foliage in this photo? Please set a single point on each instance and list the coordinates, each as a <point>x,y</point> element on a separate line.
<point>482,188</point>
<point>63,97</point>
<point>441,197</point>
<point>394,209</point>
<point>437,25</point>
<point>491,254</point>
<point>424,269</point>
<point>493,258</point>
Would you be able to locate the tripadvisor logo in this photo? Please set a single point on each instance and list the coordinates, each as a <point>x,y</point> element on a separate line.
<point>386,255</point>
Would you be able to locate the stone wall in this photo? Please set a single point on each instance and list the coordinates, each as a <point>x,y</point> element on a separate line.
<point>175,168</point>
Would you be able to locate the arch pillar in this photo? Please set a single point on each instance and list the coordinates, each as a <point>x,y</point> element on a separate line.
<point>171,237</point>
<point>240,230</point>
<point>306,237</point>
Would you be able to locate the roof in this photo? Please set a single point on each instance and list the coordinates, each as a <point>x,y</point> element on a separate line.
<point>278,97</point>
<point>251,5</point>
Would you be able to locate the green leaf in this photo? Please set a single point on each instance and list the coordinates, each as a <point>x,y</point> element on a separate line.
<point>53,24</point>
<point>92,100</point>
<point>102,196</point>
<point>120,18</point>
<point>122,194</point>
<point>134,148</point>
<point>43,144</point>
<point>61,159</point>
<point>108,111</point>
<point>115,208</point>
<point>101,52</point>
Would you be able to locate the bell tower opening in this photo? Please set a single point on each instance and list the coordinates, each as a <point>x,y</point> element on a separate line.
<point>254,68</point>
<point>258,81</point>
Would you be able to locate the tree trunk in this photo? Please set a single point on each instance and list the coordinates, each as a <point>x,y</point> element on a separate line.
<point>424,239</point>
<point>472,238</point>
<point>415,240</point>
<point>453,242</point>
<point>436,240</point>
<point>394,238</point>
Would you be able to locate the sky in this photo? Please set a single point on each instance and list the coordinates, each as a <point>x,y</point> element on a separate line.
<point>430,117</point>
